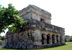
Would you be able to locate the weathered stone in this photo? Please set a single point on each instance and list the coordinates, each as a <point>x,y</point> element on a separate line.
<point>38,33</point>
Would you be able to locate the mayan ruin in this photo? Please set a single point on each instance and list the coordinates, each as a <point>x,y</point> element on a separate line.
<point>38,33</point>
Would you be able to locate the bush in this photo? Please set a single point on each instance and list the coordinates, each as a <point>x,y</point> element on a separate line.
<point>2,38</point>
<point>70,39</point>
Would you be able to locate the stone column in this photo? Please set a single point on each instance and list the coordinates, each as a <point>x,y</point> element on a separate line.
<point>55,39</point>
<point>58,39</point>
<point>50,41</point>
<point>45,39</point>
<point>37,37</point>
<point>63,39</point>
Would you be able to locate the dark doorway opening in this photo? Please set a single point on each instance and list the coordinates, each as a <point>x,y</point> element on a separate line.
<point>53,40</point>
<point>42,38</point>
<point>48,38</point>
<point>57,38</point>
<point>41,19</point>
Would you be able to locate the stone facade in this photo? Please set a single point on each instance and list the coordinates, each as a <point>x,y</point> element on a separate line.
<point>38,33</point>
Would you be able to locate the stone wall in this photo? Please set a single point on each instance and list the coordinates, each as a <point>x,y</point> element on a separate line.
<point>18,40</point>
<point>32,38</point>
<point>35,13</point>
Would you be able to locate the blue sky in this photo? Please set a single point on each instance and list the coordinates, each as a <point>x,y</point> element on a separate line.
<point>61,10</point>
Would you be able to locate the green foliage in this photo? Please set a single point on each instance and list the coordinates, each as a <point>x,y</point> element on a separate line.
<point>2,38</point>
<point>9,17</point>
<point>70,39</point>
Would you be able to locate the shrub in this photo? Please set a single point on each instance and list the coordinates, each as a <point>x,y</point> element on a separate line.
<point>70,39</point>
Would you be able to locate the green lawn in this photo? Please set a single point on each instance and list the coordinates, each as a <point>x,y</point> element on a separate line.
<point>68,46</point>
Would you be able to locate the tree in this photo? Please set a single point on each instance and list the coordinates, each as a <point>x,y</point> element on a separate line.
<point>9,18</point>
<point>2,38</point>
<point>70,39</point>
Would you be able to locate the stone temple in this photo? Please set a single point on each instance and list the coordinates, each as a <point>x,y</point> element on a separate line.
<point>38,33</point>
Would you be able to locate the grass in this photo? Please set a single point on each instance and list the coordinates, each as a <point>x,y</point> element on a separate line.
<point>68,46</point>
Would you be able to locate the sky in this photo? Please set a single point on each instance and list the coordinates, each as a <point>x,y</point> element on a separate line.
<point>61,10</point>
